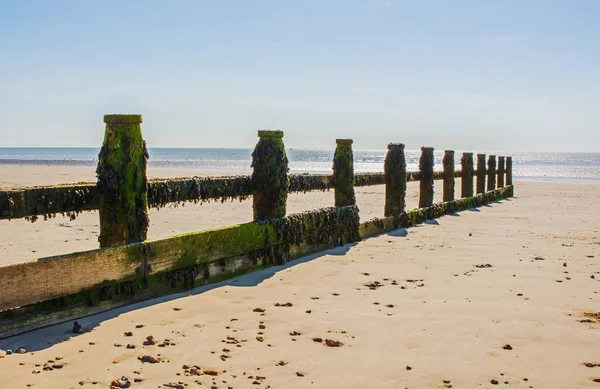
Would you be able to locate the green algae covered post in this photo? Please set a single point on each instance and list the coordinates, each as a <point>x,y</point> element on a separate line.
<point>508,171</point>
<point>343,173</point>
<point>491,173</point>
<point>448,164</point>
<point>122,190</point>
<point>395,179</point>
<point>270,182</point>
<point>501,172</point>
<point>466,175</point>
<point>480,173</point>
<point>426,184</point>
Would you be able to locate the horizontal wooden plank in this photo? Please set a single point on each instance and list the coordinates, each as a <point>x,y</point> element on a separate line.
<point>48,278</point>
<point>417,216</point>
<point>47,201</point>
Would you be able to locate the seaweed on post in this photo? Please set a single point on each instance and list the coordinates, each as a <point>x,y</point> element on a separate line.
<point>480,173</point>
<point>269,180</point>
<point>466,179</point>
<point>122,183</point>
<point>500,171</point>
<point>343,173</point>
<point>448,174</point>
<point>491,173</point>
<point>426,184</point>
<point>395,179</point>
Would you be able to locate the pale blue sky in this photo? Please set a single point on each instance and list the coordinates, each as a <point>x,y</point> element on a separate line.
<point>485,75</point>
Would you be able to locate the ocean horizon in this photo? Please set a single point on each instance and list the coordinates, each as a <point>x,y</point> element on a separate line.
<point>563,166</point>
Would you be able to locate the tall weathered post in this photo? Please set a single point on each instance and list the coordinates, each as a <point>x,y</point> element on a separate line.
<point>491,173</point>
<point>270,182</point>
<point>480,173</point>
<point>466,175</point>
<point>343,173</point>
<point>122,189</point>
<point>448,164</point>
<point>426,185</point>
<point>501,172</point>
<point>395,180</point>
<point>508,171</point>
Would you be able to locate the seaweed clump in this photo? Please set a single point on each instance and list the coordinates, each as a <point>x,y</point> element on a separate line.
<point>395,179</point>
<point>448,175</point>
<point>269,180</point>
<point>343,173</point>
<point>122,182</point>
<point>466,163</point>
<point>198,190</point>
<point>426,184</point>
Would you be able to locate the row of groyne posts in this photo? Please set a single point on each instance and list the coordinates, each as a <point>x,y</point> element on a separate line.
<point>123,184</point>
<point>127,267</point>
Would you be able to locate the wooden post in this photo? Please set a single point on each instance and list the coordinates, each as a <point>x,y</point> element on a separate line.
<point>480,173</point>
<point>509,171</point>
<point>466,177</point>
<point>501,172</point>
<point>426,185</point>
<point>122,183</point>
<point>395,180</point>
<point>270,182</point>
<point>491,173</point>
<point>343,173</point>
<point>448,164</point>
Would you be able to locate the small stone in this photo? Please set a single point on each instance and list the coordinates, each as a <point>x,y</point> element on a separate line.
<point>148,359</point>
<point>149,341</point>
<point>123,382</point>
<point>128,333</point>
<point>139,326</point>
<point>131,346</point>
<point>408,367</point>
<point>9,352</point>
<point>333,343</point>
<point>308,311</point>
<point>77,328</point>
<point>21,350</point>
<point>317,340</point>
<point>494,382</point>
<point>212,372</point>
<point>507,347</point>
<point>258,310</point>
<point>299,374</point>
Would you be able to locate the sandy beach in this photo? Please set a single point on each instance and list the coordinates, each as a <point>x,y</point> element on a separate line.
<point>60,235</point>
<point>506,295</point>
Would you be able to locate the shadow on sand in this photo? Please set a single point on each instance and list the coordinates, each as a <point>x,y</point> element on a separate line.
<point>46,337</point>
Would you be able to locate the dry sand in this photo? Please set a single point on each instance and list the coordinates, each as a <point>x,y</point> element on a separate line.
<point>411,308</point>
<point>21,240</point>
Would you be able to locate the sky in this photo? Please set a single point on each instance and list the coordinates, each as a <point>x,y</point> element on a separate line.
<point>511,75</point>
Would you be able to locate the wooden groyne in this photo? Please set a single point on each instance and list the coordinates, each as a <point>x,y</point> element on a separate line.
<point>127,267</point>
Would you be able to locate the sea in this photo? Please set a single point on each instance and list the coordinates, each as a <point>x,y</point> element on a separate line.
<point>526,165</point>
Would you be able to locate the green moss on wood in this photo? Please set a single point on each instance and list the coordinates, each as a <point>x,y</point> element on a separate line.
<point>343,173</point>
<point>395,179</point>
<point>448,174</point>
<point>426,183</point>
<point>491,173</point>
<point>269,179</point>
<point>122,184</point>
<point>466,175</point>
<point>480,173</point>
<point>309,182</point>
